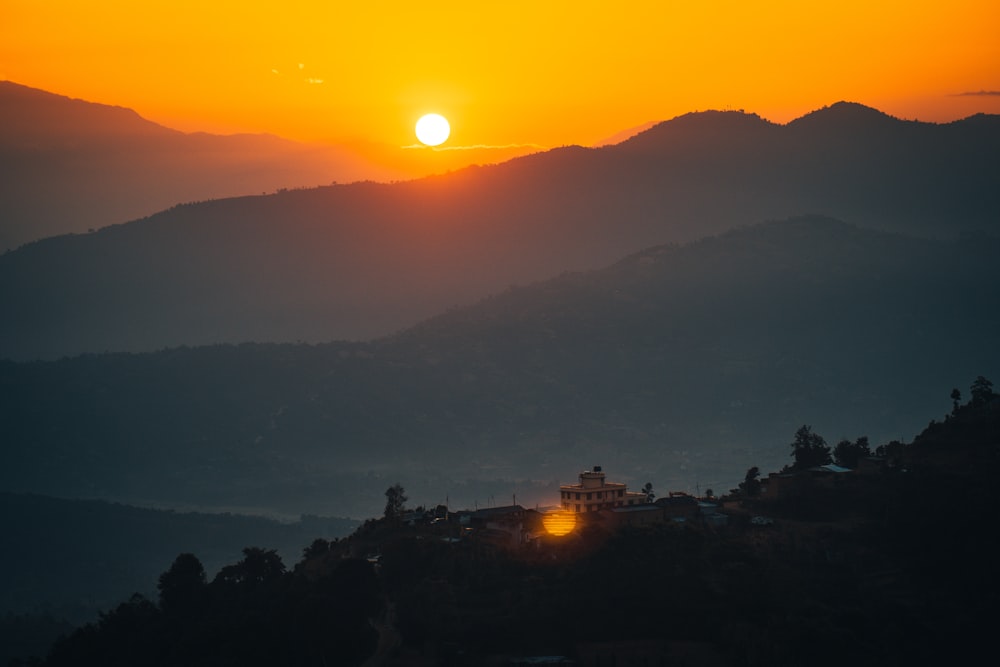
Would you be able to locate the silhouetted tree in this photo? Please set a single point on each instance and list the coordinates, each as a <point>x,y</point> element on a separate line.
<point>258,566</point>
<point>648,490</point>
<point>750,486</point>
<point>182,587</point>
<point>809,449</point>
<point>891,450</point>
<point>956,398</point>
<point>982,391</point>
<point>319,547</point>
<point>847,453</point>
<point>395,501</point>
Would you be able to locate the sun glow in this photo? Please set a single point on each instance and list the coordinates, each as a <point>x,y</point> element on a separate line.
<point>559,523</point>
<point>433,129</point>
<point>244,67</point>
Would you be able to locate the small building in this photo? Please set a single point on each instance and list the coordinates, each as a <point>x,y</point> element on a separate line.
<point>678,505</point>
<point>501,526</point>
<point>593,493</point>
<point>780,485</point>
<point>633,516</point>
<point>828,475</point>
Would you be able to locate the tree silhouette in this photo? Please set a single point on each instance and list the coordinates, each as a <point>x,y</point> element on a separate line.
<point>648,490</point>
<point>982,391</point>
<point>847,453</point>
<point>809,449</point>
<point>750,486</point>
<point>318,547</point>
<point>259,566</point>
<point>182,587</point>
<point>395,501</point>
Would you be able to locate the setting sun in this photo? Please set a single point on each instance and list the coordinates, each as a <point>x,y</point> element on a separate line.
<point>433,129</point>
<point>559,523</point>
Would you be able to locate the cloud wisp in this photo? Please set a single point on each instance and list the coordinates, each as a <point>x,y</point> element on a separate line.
<point>978,93</point>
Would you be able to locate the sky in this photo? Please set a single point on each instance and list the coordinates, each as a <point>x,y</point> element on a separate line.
<point>506,75</point>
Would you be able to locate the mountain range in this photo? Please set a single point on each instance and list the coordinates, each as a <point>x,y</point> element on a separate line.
<point>363,260</point>
<point>67,165</point>
<point>682,364</point>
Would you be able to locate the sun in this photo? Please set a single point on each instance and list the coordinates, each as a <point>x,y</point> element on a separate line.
<point>433,129</point>
<point>559,522</point>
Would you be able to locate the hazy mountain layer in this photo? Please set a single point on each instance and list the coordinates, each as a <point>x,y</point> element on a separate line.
<point>76,558</point>
<point>68,165</point>
<point>364,260</point>
<point>681,365</point>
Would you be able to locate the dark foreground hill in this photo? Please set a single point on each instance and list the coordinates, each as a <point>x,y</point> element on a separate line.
<point>680,364</point>
<point>74,558</point>
<point>67,165</point>
<point>898,570</point>
<point>365,260</point>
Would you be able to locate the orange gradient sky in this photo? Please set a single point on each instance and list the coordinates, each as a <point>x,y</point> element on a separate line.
<point>535,73</point>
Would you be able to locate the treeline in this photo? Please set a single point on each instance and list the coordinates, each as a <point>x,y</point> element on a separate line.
<point>810,449</point>
<point>254,612</point>
<point>76,557</point>
<point>881,569</point>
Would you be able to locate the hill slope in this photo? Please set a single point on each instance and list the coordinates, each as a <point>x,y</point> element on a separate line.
<point>363,260</point>
<point>67,165</point>
<point>680,364</point>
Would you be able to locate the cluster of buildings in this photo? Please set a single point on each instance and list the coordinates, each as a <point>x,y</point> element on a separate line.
<point>592,500</point>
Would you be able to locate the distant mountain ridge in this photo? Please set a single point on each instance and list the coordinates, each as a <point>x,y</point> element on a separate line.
<point>683,364</point>
<point>67,165</point>
<point>364,260</point>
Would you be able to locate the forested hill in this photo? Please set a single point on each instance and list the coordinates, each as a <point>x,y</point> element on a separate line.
<point>364,260</point>
<point>683,364</point>
<point>863,567</point>
<point>75,558</point>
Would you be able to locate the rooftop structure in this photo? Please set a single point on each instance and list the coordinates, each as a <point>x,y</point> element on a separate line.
<point>593,493</point>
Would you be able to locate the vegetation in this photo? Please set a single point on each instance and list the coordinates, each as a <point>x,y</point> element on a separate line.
<point>851,573</point>
<point>77,557</point>
<point>395,501</point>
<point>252,613</point>
<point>809,449</point>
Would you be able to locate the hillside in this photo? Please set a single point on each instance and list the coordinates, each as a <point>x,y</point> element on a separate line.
<point>353,262</point>
<point>684,364</point>
<point>76,558</point>
<point>873,581</point>
<point>67,165</point>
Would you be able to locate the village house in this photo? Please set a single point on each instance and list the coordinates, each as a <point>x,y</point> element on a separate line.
<point>501,526</point>
<point>593,493</point>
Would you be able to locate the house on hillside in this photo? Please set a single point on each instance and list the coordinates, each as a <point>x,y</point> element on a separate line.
<point>501,526</point>
<point>678,506</point>
<point>633,516</point>
<point>593,493</point>
<point>790,484</point>
<point>780,485</point>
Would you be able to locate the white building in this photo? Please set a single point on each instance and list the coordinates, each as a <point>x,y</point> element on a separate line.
<point>594,493</point>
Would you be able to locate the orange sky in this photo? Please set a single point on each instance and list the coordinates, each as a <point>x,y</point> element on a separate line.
<point>539,73</point>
